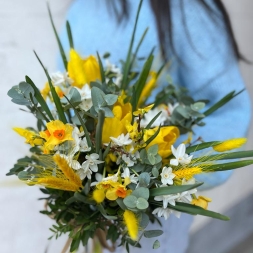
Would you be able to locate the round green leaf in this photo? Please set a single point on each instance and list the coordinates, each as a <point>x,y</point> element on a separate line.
<point>141,203</point>
<point>130,201</point>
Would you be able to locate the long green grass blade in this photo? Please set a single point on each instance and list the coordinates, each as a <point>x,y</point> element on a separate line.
<point>69,32</point>
<point>228,166</point>
<point>143,78</point>
<point>56,99</point>
<point>39,110</point>
<point>101,68</point>
<point>39,98</point>
<point>99,130</point>
<point>129,53</point>
<point>201,146</point>
<point>221,102</point>
<point>188,208</point>
<point>153,136</point>
<point>153,120</point>
<point>172,189</point>
<point>64,58</point>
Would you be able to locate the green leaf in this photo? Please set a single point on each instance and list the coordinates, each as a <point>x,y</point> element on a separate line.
<point>228,166</point>
<point>78,196</point>
<point>101,68</point>
<point>144,179</point>
<point>153,120</point>
<point>156,244</point>
<point>142,203</point>
<point>39,98</point>
<point>153,136</point>
<point>56,99</point>
<point>155,172</point>
<point>198,106</point>
<point>222,102</point>
<point>144,220</point>
<point>71,42</point>
<point>188,208</point>
<point>143,78</point>
<point>130,201</point>
<point>111,99</point>
<point>152,233</point>
<point>141,192</point>
<point>99,130</point>
<point>64,58</point>
<point>201,146</point>
<point>102,211</point>
<point>127,66</point>
<point>172,189</point>
<point>75,244</point>
<point>121,203</point>
<point>70,200</point>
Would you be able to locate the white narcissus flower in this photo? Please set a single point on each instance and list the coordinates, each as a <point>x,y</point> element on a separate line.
<point>167,199</point>
<point>59,78</point>
<point>84,172</point>
<point>186,196</point>
<point>151,114</point>
<point>122,140</point>
<point>91,162</point>
<point>84,145</point>
<point>111,67</point>
<point>74,164</point>
<point>165,212</point>
<point>167,176</point>
<point>171,108</point>
<point>181,157</point>
<point>126,174</point>
<point>129,162</point>
<point>85,94</point>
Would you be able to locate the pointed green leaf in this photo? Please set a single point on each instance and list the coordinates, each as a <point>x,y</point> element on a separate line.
<point>228,166</point>
<point>71,42</point>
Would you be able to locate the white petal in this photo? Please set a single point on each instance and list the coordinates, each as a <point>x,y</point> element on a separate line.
<point>174,162</point>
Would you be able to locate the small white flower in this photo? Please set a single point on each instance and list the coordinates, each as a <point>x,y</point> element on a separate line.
<point>59,78</point>
<point>126,173</point>
<point>121,140</point>
<point>129,162</point>
<point>165,212</point>
<point>171,108</point>
<point>151,114</point>
<point>167,176</point>
<point>86,104</point>
<point>85,94</point>
<point>84,145</point>
<point>167,199</point>
<point>84,172</point>
<point>181,157</point>
<point>99,178</point>
<point>113,178</point>
<point>111,67</point>
<point>91,162</point>
<point>74,164</point>
<point>186,196</point>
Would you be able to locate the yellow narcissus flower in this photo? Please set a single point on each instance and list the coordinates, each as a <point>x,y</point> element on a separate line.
<point>166,137</point>
<point>201,201</point>
<point>83,71</point>
<point>57,132</point>
<point>113,127</point>
<point>45,91</point>
<point>148,88</point>
<point>31,137</point>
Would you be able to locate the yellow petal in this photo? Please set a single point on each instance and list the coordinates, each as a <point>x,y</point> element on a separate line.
<point>230,144</point>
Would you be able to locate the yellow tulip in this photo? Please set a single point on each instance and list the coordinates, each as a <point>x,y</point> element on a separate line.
<point>83,71</point>
<point>166,137</point>
<point>113,127</point>
<point>31,137</point>
<point>201,201</point>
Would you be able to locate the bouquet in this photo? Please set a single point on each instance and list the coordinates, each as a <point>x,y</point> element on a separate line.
<point>106,158</point>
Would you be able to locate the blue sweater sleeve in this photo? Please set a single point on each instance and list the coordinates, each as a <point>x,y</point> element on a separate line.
<point>209,70</point>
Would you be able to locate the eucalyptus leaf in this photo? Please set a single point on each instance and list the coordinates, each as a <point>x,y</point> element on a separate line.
<point>156,244</point>
<point>142,203</point>
<point>152,233</point>
<point>144,220</point>
<point>130,201</point>
<point>197,106</point>
<point>144,179</point>
<point>141,192</point>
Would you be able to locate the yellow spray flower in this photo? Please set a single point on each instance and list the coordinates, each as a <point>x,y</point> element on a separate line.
<point>148,88</point>
<point>201,201</point>
<point>113,127</point>
<point>131,222</point>
<point>166,137</point>
<point>142,111</point>
<point>31,137</point>
<point>230,144</point>
<point>57,132</point>
<point>187,173</point>
<point>83,71</point>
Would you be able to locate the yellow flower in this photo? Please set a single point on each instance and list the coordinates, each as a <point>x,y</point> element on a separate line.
<point>142,111</point>
<point>166,137</point>
<point>31,137</point>
<point>45,91</point>
<point>230,144</point>
<point>201,201</point>
<point>131,222</point>
<point>187,173</point>
<point>113,127</point>
<point>150,85</point>
<point>57,132</point>
<point>83,71</point>
<point>59,92</point>
<point>98,195</point>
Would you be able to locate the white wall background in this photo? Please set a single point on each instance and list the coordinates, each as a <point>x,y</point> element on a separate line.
<point>24,26</point>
